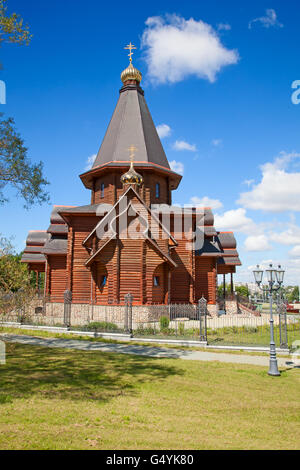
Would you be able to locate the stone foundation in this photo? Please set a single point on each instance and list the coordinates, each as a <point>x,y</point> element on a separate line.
<point>231,307</point>
<point>52,313</point>
<point>213,310</point>
<point>82,314</point>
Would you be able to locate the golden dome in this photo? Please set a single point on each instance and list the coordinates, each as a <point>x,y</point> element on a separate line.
<point>131,73</point>
<point>132,177</point>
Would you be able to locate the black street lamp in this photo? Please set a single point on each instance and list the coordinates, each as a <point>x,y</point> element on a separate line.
<point>275,280</point>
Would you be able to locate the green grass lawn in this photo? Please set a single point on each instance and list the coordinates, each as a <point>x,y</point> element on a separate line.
<point>66,399</point>
<point>252,336</point>
<point>139,342</point>
<point>228,335</point>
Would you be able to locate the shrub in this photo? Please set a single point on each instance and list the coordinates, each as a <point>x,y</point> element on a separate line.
<point>181,329</point>
<point>101,326</point>
<point>251,329</point>
<point>164,323</point>
<point>211,331</point>
<point>145,331</point>
<point>193,332</point>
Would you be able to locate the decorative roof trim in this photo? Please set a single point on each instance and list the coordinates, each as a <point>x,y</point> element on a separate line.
<point>130,188</point>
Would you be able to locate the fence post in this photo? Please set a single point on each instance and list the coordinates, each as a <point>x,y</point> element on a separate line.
<point>202,312</point>
<point>128,313</point>
<point>283,309</point>
<point>67,308</point>
<point>237,303</point>
<point>278,309</point>
<point>21,315</point>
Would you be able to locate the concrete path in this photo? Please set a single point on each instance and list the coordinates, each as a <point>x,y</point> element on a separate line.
<point>144,350</point>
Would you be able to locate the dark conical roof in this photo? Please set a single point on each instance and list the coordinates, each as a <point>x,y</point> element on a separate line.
<point>131,124</point>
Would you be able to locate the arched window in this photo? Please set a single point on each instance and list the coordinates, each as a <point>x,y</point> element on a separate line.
<point>157,190</point>
<point>102,190</point>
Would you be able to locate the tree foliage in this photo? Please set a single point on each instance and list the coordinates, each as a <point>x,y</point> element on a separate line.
<point>292,293</point>
<point>221,289</point>
<point>242,290</point>
<point>16,170</point>
<point>14,275</point>
<point>12,27</point>
<point>16,284</point>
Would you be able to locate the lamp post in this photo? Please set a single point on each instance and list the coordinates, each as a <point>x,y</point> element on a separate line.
<point>275,280</point>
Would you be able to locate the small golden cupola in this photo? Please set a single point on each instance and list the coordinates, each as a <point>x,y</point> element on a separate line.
<point>131,176</point>
<point>131,73</point>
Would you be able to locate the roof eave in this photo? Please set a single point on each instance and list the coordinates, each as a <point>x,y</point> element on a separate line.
<point>88,177</point>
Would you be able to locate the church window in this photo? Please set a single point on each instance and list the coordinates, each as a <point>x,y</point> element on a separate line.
<point>156,281</point>
<point>102,190</point>
<point>157,190</point>
<point>103,281</point>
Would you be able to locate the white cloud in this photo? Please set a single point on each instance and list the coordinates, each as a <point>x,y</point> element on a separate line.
<point>291,236</point>
<point>183,145</point>
<point>295,252</point>
<point>163,130</point>
<point>236,220</point>
<point>206,202</point>
<point>257,243</point>
<point>90,162</point>
<point>270,19</point>
<point>224,27</point>
<point>178,167</point>
<point>217,142</point>
<point>248,182</point>
<point>176,48</point>
<point>278,190</point>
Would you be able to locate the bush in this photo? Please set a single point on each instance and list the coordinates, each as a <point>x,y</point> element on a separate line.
<point>145,331</point>
<point>164,323</point>
<point>168,332</point>
<point>235,329</point>
<point>251,329</point>
<point>101,326</point>
<point>211,331</point>
<point>181,329</point>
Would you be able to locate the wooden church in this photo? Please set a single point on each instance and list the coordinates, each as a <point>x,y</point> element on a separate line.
<point>130,238</point>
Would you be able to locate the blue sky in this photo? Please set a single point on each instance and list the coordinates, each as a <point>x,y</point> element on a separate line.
<point>223,87</point>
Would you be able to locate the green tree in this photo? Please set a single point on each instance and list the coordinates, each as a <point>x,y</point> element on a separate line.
<point>17,289</point>
<point>242,290</point>
<point>292,294</point>
<point>16,170</point>
<point>12,27</point>
<point>14,275</point>
<point>221,289</point>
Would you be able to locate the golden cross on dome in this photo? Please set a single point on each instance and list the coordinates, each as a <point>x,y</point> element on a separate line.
<point>132,149</point>
<point>130,47</point>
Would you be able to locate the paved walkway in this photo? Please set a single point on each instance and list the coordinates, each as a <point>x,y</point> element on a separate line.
<point>144,350</point>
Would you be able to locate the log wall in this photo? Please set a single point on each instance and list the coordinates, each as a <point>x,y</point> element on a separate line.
<point>57,277</point>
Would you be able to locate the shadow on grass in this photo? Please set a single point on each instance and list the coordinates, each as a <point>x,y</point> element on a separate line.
<point>75,375</point>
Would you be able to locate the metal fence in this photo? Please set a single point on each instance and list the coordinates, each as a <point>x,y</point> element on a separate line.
<point>253,331</point>
<point>174,321</point>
